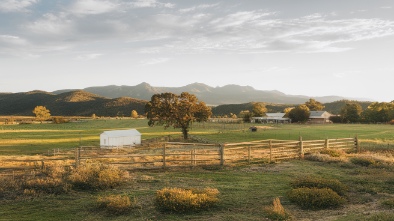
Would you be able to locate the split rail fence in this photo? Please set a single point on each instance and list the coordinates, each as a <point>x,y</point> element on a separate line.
<point>175,154</point>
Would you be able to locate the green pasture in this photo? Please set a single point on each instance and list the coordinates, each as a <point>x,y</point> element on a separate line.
<point>40,138</point>
<point>244,191</point>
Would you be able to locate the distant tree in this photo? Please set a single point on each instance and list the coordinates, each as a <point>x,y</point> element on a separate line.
<point>299,114</point>
<point>178,111</point>
<point>259,110</point>
<point>379,112</point>
<point>287,111</point>
<point>245,115</point>
<point>134,114</point>
<point>42,113</point>
<point>351,113</point>
<point>314,105</point>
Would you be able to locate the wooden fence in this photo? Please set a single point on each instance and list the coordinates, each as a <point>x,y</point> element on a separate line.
<point>172,154</point>
<point>175,154</point>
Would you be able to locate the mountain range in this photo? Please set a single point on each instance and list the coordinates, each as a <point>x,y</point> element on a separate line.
<point>229,94</point>
<point>121,100</point>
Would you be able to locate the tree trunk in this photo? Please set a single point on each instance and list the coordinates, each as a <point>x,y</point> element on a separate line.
<point>185,133</point>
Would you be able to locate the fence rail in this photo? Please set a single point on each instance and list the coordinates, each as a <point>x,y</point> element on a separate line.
<point>173,154</point>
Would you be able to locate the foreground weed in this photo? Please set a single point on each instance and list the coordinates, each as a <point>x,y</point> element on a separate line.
<point>276,211</point>
<point>186,200</point>
<point>117,204</point>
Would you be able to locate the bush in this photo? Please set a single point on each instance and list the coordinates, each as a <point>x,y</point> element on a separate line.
<point>311,182</point>
<point>9,187</point>
<point>276,211</point>
<point>60,120</point>
<point>186,200</point>
<point>362,161</point>
<point>116,204</point>
<point>318,157</point>
<point>315,198</point>
<point>332,153</point>
<point>95,176</point>
<point>45,185</point>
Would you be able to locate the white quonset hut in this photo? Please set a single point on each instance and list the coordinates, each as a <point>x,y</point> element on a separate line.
<point>120,138</point>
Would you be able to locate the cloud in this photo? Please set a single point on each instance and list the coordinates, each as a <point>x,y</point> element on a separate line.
<point>93,7</point>
<point>150,4</point>
<point>198,7</point>
<point>51,24</point>
<point>87,57</point>
<point>154,61</point>
<point>16,5</point>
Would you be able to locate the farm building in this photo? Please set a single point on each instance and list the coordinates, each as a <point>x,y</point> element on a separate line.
<point>120,138</point>
<point>272,118</point>
<point>319,117</point>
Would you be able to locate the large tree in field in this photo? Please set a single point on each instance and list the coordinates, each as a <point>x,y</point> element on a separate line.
<point>259,110</point>
<point>299,114</point>
<point>351,113</point>
<point>42,113</point>
<point>314,105</point>
<point>178,111</point>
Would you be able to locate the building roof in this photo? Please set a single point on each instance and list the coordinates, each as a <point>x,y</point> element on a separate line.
<point>122,133</point>
<point>278,115</point>
<point>319,114</point>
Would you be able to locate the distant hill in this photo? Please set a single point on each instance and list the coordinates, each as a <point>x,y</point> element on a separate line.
<point>229,94</point>
<point>121,100</point>
<point>72,103</point>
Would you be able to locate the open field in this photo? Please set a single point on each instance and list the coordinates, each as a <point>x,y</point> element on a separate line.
<point>30,139</point>
<point>244,189</point>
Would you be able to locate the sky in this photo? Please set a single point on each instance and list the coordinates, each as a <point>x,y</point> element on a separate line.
<point>303,47</point>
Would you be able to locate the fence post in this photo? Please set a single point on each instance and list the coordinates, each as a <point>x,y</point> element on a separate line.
<point>327,144</point>
<point>164,156</point>
<point>270,145</point>
<point>301,148</point>
<point>249,148</point>
<point>357,144</point>
<point>221,153</point>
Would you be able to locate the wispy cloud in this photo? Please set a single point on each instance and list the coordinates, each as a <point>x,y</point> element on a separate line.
<point>154,61</point>
<point>92,7</point>
<point>88,57</point>
<point>16,5</point>
<point>150,4</point>
<point>198,7</point>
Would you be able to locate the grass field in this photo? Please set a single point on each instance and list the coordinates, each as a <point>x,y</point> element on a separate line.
<point>39,138</point>
<point>244,189</point>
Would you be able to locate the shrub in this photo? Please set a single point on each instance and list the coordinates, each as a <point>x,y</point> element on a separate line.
<point>315,198</point>
<point>8,187</point>
<point>95,176</point>
<point>46,185</point>
<point>116,204</point>
<point>318,157</point>
<point>362,161</point>
<point>185,200</point>
<point>332,153</point>
<point>311,182</point>
<point>276,211</point>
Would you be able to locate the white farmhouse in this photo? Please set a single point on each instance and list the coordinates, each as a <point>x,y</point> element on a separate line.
<point>120,138</point>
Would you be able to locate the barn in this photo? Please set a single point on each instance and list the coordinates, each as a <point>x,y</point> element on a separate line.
<point>319,117</point>
<point>120,138</point>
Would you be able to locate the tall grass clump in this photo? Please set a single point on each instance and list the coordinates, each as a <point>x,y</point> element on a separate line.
<point>276,211</point>
<point>116,204</point>
<point>363,161</point>
<point>316,198</point>
<point>95,176</point>
<point>186,200</point>
<point>313,182</point>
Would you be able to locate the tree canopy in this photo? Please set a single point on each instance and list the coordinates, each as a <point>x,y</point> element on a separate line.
<point>314,105</point>
<point>42,113</point>
<point>259,110</point>
<point>299,114</point>
<point>351,113</point>
<point>178,111</point>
